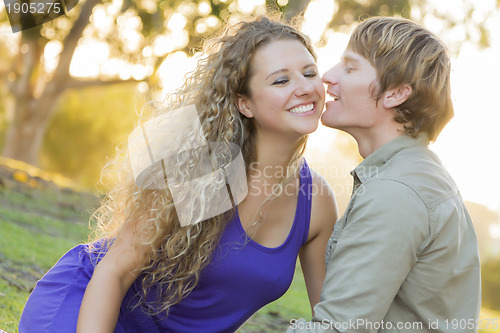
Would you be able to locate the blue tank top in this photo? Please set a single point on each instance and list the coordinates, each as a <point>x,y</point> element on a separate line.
<point>242,277</point>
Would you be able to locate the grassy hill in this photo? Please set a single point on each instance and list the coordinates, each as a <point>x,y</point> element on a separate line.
<point>39,221</point>
<point>42,216</point>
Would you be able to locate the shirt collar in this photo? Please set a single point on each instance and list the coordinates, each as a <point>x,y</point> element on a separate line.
<point>369,167</point>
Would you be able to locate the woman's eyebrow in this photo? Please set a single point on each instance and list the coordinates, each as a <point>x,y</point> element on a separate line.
<point>276,72</point>
<point>310,65</point>
<point>286,70</point>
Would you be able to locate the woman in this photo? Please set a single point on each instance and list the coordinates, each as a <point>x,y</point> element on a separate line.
<point>258,88</point>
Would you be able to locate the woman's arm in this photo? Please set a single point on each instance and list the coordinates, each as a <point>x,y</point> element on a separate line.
<point>112,277</point>
<point>312,255</point>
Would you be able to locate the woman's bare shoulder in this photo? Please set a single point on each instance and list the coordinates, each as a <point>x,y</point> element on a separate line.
<point>324,206</point>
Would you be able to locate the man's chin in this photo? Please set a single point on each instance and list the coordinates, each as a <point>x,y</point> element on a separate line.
<point>328,122</point>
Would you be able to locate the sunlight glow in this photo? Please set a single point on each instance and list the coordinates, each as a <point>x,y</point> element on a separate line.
<point>187,8</point>
<point>51,55</point>
<point>211,21</point>
<point>248,6</point>
<point>102,21</point>
<point>149,5</point>
<point>173,70</point>
<point>113,7</point>
<point>163,45</point>
<point>204,8</point>
<point>147,52</point>
<point>317,17</point>
<point>129,26</point>
<point>88,58</point>
<point>125,72</point>
<point>177,22</point>
<point>139,72</point>
<point>113,67</point>
<point>495,230</point>
<point>201,28</point>
<point>142,87</point>
<point>457,10</point>
<point>470,143</point>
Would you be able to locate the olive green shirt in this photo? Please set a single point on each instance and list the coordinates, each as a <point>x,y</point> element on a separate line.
<point>404,256</point>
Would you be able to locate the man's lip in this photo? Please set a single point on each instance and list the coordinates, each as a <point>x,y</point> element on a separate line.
<point>333,95</point>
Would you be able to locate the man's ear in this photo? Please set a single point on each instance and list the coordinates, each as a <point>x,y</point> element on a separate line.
<point>396,96</point>
<point>243,106</point>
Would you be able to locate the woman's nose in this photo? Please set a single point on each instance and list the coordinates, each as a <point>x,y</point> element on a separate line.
<point>304,87</point>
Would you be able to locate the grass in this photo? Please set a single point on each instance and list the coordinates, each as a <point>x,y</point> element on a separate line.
<point>39,224</point>
<point>275,317</point>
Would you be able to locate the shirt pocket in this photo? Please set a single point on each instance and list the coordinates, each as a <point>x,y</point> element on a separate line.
<point>332,242</point>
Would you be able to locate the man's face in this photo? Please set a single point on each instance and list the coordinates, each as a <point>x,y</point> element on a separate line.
<point>351,83</point>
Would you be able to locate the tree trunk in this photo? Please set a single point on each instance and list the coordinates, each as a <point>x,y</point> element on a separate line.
<point>292,9</point>
<point>25,134</point>
<point>295,8</point>
<point>31,111</point>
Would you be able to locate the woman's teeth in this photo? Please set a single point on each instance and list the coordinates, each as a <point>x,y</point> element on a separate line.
<point>302,108</point>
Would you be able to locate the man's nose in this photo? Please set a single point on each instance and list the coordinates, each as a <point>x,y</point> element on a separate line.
<point>330,77</point>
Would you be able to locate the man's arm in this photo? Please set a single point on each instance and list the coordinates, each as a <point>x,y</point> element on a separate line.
<point>383,234</point>
<point>111,279</point>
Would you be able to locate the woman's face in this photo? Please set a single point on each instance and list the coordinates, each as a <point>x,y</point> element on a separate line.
<point>286,94</point>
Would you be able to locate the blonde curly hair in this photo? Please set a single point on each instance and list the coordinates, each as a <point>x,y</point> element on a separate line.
<point>178,254</point>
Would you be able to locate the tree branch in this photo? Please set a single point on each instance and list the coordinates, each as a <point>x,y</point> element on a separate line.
<point>78,84</point>
<point>28,62</point>
<point>71,40</point>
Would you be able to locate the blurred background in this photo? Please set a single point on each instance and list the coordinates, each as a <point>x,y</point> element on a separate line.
<point>71,89</point>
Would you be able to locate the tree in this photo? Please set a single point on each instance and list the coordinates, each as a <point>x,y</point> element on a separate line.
<point>35,90</point>
<point>140,33</point>
<point>34,96</point>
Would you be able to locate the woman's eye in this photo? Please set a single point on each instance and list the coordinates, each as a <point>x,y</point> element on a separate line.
<point>279,82</point>
<point>348,69</point>
<point>311,74</point>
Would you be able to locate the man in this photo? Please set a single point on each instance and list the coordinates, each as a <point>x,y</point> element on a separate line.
<point>404,256</point>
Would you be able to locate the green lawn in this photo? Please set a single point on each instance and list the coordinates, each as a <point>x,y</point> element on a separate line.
<point>37,226</point>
